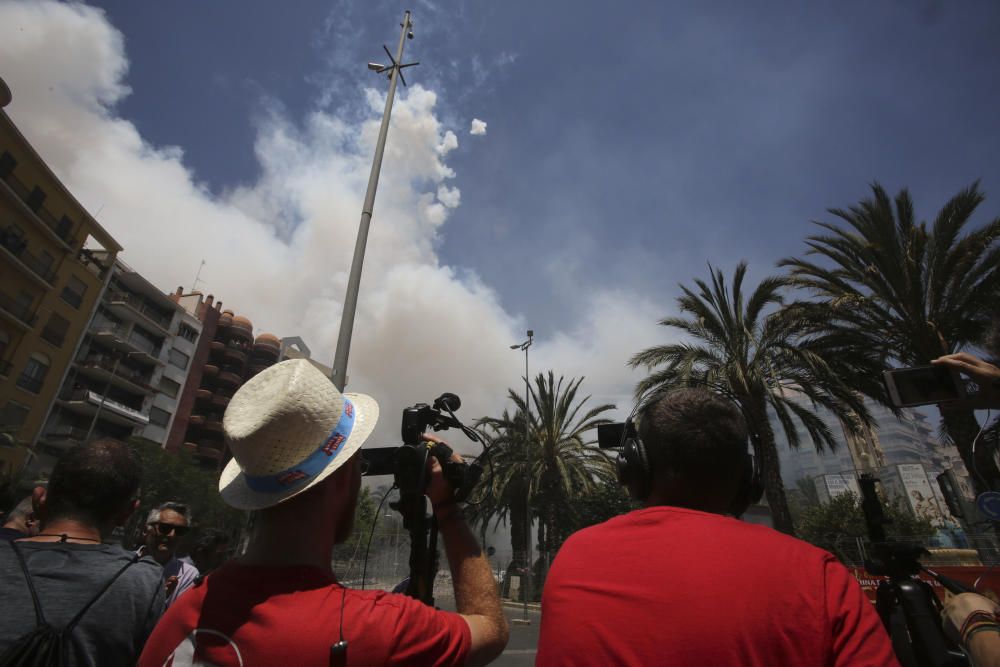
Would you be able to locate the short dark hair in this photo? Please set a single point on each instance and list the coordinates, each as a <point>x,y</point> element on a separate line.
<point>695,434</point>
<point>208,539</point>
<point>94,482</point>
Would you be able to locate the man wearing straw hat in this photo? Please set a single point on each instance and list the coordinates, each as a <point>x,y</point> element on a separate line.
<point>296,446</point>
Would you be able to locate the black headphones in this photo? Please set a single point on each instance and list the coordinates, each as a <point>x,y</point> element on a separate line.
<point>636,475</point>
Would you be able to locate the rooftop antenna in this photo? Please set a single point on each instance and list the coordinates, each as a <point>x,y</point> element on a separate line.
<point>197,276</point>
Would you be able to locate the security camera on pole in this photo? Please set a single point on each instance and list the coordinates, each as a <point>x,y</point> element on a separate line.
<point>395,70</point>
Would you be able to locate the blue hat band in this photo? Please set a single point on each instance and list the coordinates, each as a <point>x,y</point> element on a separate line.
<point>314,464</point>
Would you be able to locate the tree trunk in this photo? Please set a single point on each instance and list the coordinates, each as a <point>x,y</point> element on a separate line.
<point>770,469</point>
<point>962,427</point>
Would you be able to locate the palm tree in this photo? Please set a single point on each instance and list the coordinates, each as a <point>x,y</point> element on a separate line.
<point>900,292</point>
<point>563,462</point>
<point>761,362</point>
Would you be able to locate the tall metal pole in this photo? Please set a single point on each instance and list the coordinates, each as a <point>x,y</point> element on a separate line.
<point>104,397</point>
<point>527,454</point>
<point>527,458</point>
<point>339,375</point>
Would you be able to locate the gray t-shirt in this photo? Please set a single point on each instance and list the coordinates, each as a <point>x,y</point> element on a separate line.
<point>66,577</point>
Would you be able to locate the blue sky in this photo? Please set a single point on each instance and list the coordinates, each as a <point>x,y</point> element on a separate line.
<point>627,145</point>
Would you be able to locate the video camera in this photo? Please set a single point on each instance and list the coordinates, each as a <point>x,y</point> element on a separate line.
<point>408,466</point>
<point>407,462</point>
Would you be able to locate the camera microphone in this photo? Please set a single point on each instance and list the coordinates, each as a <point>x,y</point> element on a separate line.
<point>448,401</point>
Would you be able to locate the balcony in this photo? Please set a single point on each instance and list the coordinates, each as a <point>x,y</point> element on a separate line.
<point>129,305</point>
<point>208,453</point>
<point>65,437</point>
<point>229,379</point>
<point>190,447</point>
<point>197,421</point>
<point>213,424</point>
<point>235,355</point>
<point>19,314</point>
<point>210,371</point>
<point>32,201</point>
<point>5,368</point>
<point>102,368</point>
<point>119,338</point>
<point>203,395</point>
<point>84,401</point>
<point>15,249</point>
<point>220,401</point>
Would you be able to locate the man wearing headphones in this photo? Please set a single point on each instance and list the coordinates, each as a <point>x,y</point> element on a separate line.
<point>680,583</point>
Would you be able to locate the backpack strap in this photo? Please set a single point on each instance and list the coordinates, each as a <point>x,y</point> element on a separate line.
<point>76,619</point>
<point>39,616</point>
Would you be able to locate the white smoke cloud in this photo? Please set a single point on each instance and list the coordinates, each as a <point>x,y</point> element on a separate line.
<point>478,127</point>
<point>278,250</point>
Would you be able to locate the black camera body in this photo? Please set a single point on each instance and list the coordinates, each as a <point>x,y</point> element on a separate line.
<point>407,462</point>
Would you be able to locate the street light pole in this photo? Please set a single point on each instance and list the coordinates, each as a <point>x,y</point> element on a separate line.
<point>339,375</point>
<point>527,457</point>
<point>104,395</point>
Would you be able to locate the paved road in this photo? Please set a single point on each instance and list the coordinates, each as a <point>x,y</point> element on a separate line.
<point>521,648</point>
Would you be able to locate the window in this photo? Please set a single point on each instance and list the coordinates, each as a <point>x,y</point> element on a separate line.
<point>35,199</point>
<point>179,359</point>
<point>4,342</point>
<point>13,415</point>
<point>7,164</point>
<point>158,417</point>
<point>169,387</point>
<point>187,333</point>
<point>73,292</point>
<point>55,331</point>
<point>34,373</point>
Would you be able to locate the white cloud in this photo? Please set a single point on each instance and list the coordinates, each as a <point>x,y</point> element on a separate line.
<point>478,127</point>
<point>278,250</point>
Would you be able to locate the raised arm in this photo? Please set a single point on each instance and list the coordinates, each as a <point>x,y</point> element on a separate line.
<point>476,595</point>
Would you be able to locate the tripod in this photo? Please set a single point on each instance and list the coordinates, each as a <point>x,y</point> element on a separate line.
<point>908,607</point>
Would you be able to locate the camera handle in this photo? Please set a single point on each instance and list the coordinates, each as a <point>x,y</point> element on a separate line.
<point>423,528</point>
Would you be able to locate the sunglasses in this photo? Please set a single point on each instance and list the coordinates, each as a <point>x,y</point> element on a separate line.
<point>165,529</point>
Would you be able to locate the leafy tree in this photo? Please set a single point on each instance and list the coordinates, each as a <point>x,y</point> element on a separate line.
<point>760,360</point>
<point>590,508</point>
<point>178,477</point>
<point>563,462</point>
<point>836,524</point>
<point>891,290</point>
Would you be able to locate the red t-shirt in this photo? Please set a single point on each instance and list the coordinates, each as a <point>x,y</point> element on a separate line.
<point>245,615</point>
<point>670,586</point>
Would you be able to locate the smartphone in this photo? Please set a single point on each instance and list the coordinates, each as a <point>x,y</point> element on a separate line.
<point>923,385</point>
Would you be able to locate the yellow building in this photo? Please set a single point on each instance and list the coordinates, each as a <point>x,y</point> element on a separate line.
<point>50,282</point>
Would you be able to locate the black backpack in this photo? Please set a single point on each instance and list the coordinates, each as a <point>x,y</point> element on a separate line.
<point>46,645</point>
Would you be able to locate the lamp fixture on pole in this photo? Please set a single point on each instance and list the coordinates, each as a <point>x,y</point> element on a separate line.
<point>395,70</point>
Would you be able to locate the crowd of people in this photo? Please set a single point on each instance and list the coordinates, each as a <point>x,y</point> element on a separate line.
<point>680,581</point>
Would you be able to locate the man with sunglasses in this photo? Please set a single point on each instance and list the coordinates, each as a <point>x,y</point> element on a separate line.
<point>165,526</point>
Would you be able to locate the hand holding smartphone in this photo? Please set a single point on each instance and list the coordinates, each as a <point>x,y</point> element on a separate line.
<point>923,385</point>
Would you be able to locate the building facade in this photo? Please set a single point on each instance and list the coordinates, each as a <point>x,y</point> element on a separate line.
<point>50,282</point>
<point>127,377</point>
<point>227,356</point>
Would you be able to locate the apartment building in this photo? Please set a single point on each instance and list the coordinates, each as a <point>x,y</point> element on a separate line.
<point>127,378</point>
<point>227,356</point>
<point>55,261</point>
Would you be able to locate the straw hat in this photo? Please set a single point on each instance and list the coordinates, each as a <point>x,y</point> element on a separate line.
<point>289,429</point>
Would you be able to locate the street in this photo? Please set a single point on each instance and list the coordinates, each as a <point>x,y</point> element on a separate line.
<point>521,648</point>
